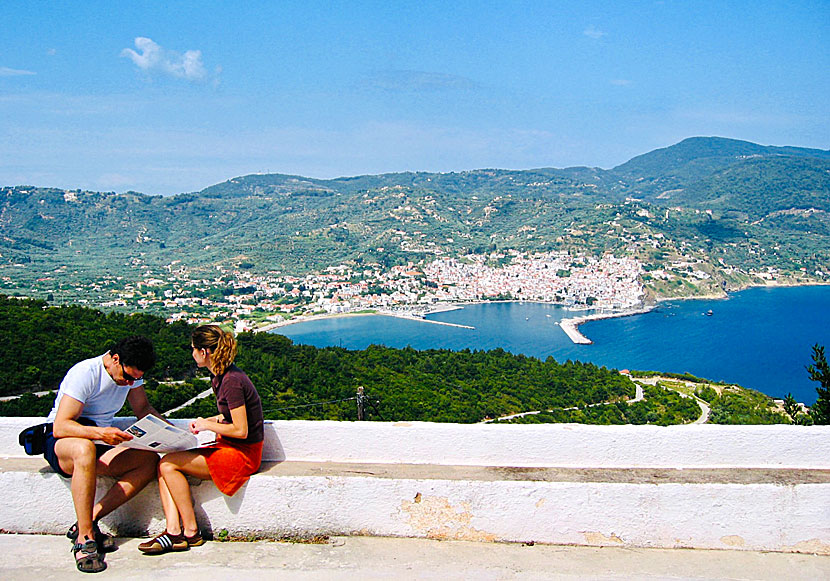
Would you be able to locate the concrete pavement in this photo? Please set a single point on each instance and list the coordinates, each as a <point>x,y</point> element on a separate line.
<point>42,557</point>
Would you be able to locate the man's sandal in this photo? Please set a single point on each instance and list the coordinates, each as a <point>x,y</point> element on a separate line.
<point>87,557</point>
<point>105,542</point>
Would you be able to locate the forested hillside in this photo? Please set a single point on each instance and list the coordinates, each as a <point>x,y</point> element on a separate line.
<point>304,382</point>
<point>42,342</point>
<point>735,207</point>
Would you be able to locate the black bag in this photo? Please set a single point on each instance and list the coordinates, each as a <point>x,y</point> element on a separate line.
<point>33,439</point>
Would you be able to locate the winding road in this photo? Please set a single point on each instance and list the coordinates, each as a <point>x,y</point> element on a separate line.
<point>639,395</point>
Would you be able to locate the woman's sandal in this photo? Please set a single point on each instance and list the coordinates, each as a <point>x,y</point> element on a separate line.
<point>105,542</point>
<point>87,557</point>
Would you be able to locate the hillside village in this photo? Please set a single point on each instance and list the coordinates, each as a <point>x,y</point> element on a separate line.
<point>255,300</point>
<point>699,218</point>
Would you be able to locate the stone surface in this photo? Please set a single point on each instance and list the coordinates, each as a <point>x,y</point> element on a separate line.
<point>546,445</point>
<point>748,509</point>
<point>747,488</point>
<point>34,558</point>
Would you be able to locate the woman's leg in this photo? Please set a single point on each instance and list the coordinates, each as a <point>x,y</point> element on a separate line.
<point>173,468</point>
<point>171,513</point>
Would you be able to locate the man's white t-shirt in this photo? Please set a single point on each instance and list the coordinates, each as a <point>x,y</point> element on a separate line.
<point>89,383</point>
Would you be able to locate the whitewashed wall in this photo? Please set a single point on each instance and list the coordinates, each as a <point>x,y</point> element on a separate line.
<point>561,445</point>
<point>314,491</point>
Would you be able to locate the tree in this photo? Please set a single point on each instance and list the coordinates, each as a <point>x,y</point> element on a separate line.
<point>793,410</point>
<point>820,371</point>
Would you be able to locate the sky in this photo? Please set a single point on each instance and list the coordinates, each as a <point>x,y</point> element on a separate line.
<point>171,97</point>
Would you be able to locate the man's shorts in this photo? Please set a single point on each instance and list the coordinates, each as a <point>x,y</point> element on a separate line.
<point>52,458</point>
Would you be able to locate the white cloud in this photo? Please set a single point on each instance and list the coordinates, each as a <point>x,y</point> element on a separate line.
<point>7,72</point>
<point>152,58</point>
<point>416,81</point>
<point>593,32</point>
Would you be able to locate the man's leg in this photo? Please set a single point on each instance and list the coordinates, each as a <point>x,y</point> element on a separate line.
<point>133,470</point>
<point>77,456</point>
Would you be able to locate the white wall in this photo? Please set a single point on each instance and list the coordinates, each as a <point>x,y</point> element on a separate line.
<point>562,445</point>
<point>352,478</point>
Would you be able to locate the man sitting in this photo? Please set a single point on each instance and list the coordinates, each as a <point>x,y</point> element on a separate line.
<point>82,443</point>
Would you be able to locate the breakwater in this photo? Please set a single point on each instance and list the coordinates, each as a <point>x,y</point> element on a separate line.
<point>571,326</point>
<point>421,319</point>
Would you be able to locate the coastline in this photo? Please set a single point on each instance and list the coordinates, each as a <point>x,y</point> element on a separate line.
<point>770,284</point>
<point>710,297</point>
<point>286,322</point>
<point>569,326</point>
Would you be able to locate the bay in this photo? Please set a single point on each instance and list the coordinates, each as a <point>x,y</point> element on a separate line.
<point>760,338</point>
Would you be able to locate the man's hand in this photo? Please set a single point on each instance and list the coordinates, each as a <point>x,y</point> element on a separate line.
<point>114,436</point>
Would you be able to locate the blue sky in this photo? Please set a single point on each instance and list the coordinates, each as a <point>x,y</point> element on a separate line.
<point>169,97</point>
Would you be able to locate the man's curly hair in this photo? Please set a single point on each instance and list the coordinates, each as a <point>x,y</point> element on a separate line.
<point>136,351</point>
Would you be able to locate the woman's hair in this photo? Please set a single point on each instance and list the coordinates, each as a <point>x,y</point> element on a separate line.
<point>221,344</point>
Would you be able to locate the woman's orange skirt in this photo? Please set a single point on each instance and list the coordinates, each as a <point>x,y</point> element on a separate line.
<point>232,463</point>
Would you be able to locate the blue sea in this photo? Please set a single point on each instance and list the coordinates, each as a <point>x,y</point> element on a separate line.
<point>760,338</point>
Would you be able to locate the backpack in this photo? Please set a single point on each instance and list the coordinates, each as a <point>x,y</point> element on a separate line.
<point>33,439</point>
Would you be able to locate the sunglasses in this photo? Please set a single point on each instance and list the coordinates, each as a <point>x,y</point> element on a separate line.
<point>126,375</point>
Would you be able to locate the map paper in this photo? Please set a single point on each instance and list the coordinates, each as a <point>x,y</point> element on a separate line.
<point>152,433</point>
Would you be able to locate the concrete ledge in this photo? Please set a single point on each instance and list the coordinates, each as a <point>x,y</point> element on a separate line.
<point>751,509</point>
<point>763,488</point>
<point>779,476</point>
<point>563,445</point>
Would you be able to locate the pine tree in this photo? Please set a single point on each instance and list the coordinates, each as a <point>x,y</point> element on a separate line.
<point>820,371</point>
<point>793,409</point>
<point>791,406</point>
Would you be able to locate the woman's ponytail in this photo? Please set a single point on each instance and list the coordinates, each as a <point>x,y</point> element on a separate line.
<point>221,344</point>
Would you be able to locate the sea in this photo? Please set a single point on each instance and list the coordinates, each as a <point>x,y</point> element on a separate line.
<point>760,338</point>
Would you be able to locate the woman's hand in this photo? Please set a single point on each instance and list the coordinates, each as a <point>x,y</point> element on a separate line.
<point>198,425</point>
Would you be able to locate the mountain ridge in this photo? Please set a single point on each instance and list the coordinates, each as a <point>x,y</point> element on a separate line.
<point>726,203</point>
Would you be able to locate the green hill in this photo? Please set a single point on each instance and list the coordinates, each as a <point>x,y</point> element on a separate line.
<point>760,186</point>
<point>655,175</point>
<point>699,155</point>
<point>734,207</point>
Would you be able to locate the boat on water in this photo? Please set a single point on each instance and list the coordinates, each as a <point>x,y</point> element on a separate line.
<point>709,313</point>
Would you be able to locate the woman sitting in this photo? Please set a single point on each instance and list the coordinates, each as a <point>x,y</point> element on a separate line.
<point>230,462</point>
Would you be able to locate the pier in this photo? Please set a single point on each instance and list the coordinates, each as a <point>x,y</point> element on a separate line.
<point>570,326</point>
<point>571,330</point>
<point>421,319</point>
